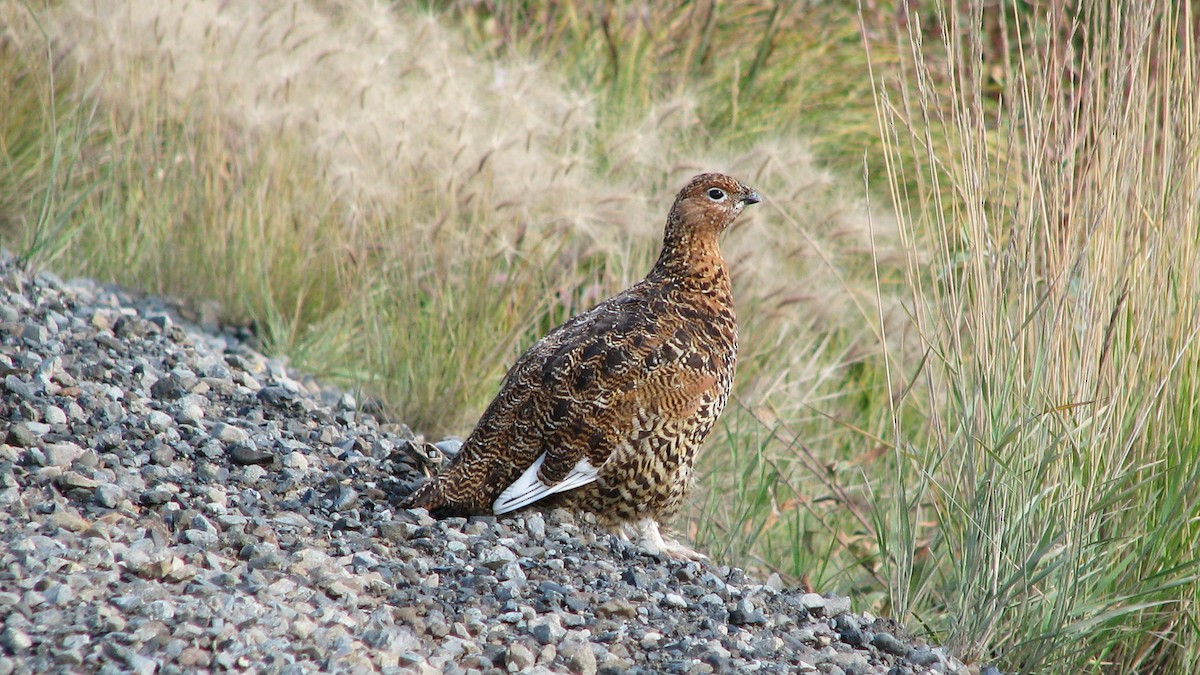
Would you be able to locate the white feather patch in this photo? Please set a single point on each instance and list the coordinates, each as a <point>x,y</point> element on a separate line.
<point>529,488</point>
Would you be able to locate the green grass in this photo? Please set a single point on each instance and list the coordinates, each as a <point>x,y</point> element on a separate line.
<point>968,380</point>
<point>1046,505</point>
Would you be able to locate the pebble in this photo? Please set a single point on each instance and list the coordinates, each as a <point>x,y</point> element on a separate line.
<point>145,505</point>
<point>21,436</point>
<point>54,415</point>
<point>15,640</point>
<point>244,454</point>
<point>158,420</point>
<point>61,454</point>
<point>518,657</point>
<point>227,433</point>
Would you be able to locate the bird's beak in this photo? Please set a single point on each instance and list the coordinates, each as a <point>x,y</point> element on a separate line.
<point>751,197</point>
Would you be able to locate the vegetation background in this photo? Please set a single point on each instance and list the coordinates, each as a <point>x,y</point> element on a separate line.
<point>968,390</point>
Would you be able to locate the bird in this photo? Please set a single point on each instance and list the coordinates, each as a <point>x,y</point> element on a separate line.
<point>606,413</point>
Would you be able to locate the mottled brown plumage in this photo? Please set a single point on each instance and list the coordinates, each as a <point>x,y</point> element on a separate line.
<point>610,408</point>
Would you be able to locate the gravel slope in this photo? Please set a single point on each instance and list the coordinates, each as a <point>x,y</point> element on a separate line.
<point>172,501</point>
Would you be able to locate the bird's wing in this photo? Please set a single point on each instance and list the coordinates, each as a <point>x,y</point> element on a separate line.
<point>599,382</point>
<point>529,488</point>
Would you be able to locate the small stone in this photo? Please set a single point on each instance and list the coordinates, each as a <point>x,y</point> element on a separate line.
<point>244,454</point>
<point>199,538</point>
<point>675,601</point>
<point>156,496</point>
<point>837,605</point>
<point>15,640</point>
<point>813,602</point>
<point>547,629</point>
<point>342,497</point>
<point>109,496</point>
<point>54,415</point>
<point>72,480</point>
<point>922,656</point>
<point>194,657</point>
<point>168,388</point>
<point>848,629</point>
<point>617,609</point>
<point>296,460</point>
<point>536,525</point>
<point>275,395</point>
<point>20,436</point>
<point>518,657</point>
<point>190,412</point>
<point>888,643</point>
<point>62,454</point>
<point>163,455</point>
<point>499,557</point>
<point>158,420</point>
<point>59,594</point>
<point>68,520</point>
<point>851,662</point>
<point>161,320</point>
<point>35,333</point>
<point>227,433</point>
<point>578,656</point>
<point>19,387</point>
<point>717,656</point>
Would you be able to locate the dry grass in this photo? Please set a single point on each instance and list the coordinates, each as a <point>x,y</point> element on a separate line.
<point>1044,499</point>
<point>317,167</point>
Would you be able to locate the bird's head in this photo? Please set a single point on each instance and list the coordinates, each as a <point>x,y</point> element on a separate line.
<point>709,203</point>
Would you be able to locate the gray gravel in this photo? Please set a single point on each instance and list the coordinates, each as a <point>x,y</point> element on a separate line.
<point>171,501</point>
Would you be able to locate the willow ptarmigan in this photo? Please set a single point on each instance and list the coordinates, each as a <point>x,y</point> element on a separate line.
<point>606,413</point>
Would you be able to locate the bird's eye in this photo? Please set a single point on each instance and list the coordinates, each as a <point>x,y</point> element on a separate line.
<point>716,194</point>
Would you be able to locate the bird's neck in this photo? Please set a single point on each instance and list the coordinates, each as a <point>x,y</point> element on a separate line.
<point>693,261</point>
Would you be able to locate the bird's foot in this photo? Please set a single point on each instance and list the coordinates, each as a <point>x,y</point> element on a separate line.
<point>654,542</point>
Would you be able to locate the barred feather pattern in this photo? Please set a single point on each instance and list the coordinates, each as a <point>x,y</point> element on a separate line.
<point>633,386</point>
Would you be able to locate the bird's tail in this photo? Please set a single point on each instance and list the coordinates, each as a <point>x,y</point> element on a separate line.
<point>428,496</point>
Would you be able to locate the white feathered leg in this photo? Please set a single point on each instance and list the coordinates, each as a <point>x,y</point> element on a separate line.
<point>653,540</point>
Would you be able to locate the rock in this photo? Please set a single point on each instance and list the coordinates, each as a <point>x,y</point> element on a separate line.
<point>518,658</point>
<point>18,387</point>
<point>836,605</point>
<point>189,412</point>
<point>675,601</point>
<point>69,480</point>
<point>888,643</point>
<point>579,657</point>
<point>54,415</point>
<point>168,388</point>
<point>61,454</point>
<point>244,454</point>
<point>15,640</point>
<point>108,495</point>
<point>848,628</point>
<point>813,603</point>
<point>227,433</point>
<point>35,334</point>
<point>20,436</point>
<point>158,420</point>
<point>621,609</point>
<point>547,630</point>
<point>922,656</point>
<point>296,460</point>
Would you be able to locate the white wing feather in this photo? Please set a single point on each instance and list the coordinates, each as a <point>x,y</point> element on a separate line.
<point>529,488</point>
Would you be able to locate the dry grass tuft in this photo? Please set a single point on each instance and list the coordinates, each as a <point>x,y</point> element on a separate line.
<point>1043,502</point>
